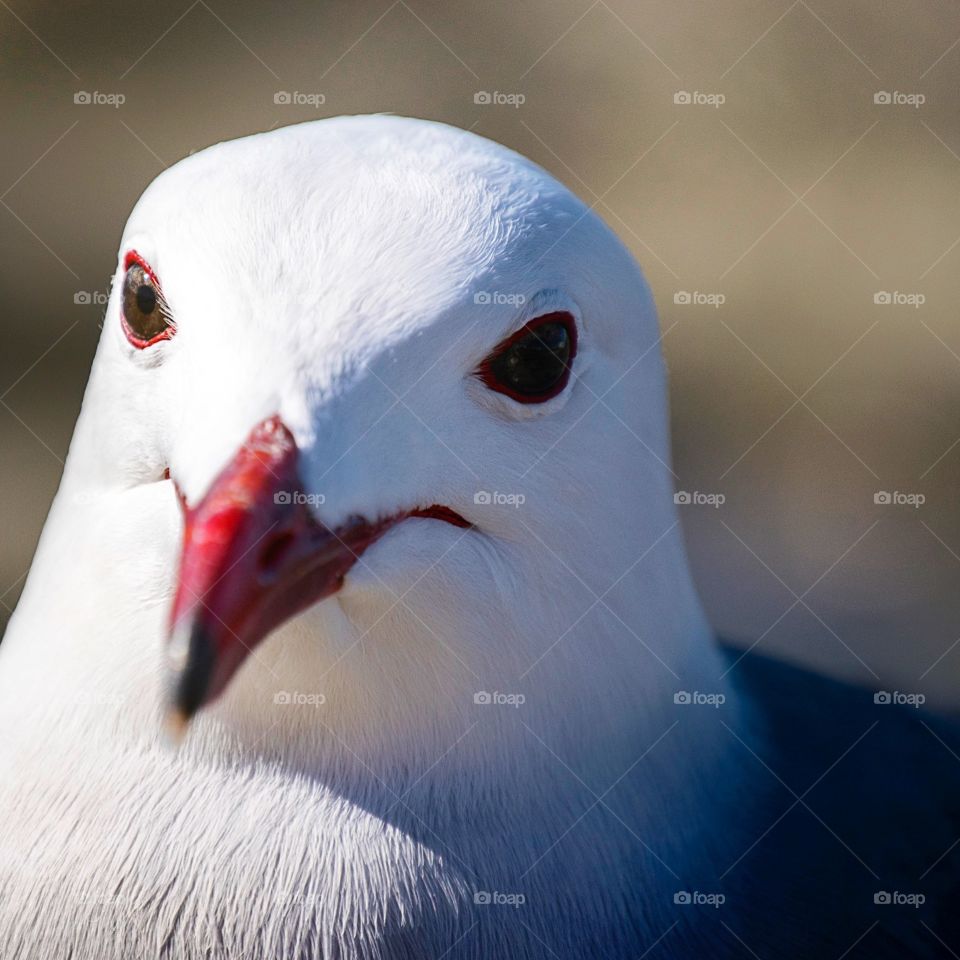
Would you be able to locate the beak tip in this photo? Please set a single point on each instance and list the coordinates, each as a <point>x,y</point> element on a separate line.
<point>176,726</point>
<point>191,663</point>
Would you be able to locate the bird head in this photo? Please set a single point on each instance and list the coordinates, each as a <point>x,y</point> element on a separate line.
<point>409,393</point>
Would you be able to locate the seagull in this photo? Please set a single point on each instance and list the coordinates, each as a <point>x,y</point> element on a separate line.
<point>362,627</point>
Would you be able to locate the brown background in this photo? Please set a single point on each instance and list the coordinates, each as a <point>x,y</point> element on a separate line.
<point>797,200</point>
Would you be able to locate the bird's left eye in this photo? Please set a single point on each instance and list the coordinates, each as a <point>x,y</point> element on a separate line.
<point>144,312</point>
<point>534,364</point>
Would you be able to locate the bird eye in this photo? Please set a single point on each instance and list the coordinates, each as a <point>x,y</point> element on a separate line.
<point>144,314</point>
<point>534,364</point>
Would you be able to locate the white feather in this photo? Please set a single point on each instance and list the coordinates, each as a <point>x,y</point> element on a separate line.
<point>329,272</point>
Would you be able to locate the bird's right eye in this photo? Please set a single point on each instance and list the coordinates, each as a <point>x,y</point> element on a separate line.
<point>534,364</point>
<point>144,313</point>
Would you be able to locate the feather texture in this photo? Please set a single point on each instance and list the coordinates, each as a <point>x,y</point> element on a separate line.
<point>353,795</point>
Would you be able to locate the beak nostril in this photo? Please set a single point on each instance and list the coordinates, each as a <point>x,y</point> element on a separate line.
<point>253,557</point>
<point>273,553</point>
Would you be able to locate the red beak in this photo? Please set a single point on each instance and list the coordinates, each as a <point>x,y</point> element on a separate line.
<point>253,556</point>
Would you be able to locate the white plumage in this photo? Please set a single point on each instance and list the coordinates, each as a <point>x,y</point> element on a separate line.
<point>330,273</point>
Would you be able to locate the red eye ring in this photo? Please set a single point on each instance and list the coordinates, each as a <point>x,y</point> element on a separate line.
<point>133,258</point>
<point>555,360</point>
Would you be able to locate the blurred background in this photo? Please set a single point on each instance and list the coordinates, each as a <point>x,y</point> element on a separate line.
<point>786,173</point>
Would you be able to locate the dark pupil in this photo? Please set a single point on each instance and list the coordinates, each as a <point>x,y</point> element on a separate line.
<point>146,298</point>
<point>142,308</point>
<point>534,364</point>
